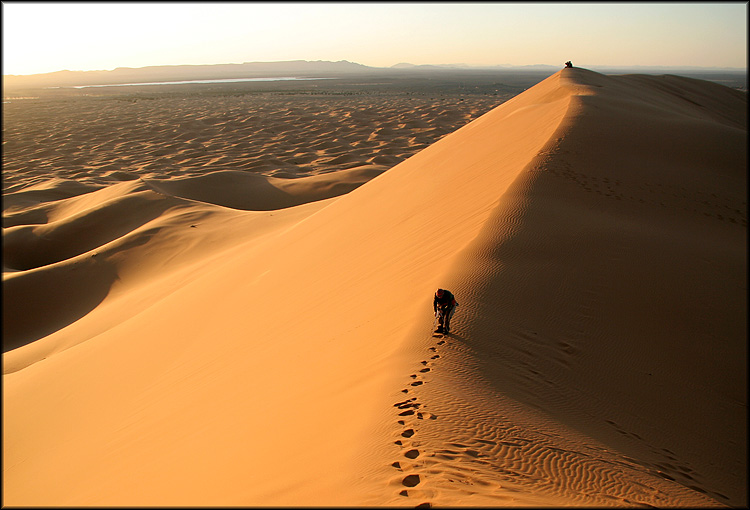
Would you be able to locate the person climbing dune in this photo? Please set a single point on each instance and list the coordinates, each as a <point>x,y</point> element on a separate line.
<point>444,305</point>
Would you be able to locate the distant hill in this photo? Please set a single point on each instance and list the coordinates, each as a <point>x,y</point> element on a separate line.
<point>292,68</point>
<point>325,69</point>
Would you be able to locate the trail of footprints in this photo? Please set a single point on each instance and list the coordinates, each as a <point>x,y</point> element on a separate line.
<point>696,201</point>
<point>409,411</point>
<point>414,460</point>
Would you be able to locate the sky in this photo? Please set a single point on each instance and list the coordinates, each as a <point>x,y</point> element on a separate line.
<point>41,37</point>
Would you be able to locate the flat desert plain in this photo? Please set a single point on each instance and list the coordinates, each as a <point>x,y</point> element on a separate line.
<point>225,299</point>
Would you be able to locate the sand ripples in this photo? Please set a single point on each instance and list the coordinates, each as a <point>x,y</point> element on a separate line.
<point>503,453</point>
<point>106,139</point>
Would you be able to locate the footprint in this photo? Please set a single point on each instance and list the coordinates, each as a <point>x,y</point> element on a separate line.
<point>410,404</point>
<point>412,454</point>
<point>411,480</point>
<point>407,433</point>
<point>416,383</point>
<point>436,356</point>
<point>403,402</point>
<point>425,370</point>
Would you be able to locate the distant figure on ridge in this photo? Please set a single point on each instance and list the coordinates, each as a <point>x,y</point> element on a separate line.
<point>568,64</point>
<point>444,305</point>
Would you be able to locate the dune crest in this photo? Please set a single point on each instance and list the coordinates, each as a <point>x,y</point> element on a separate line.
<point>291,363</point>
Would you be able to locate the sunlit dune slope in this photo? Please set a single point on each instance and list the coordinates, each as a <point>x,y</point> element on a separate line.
<point>264,366</point>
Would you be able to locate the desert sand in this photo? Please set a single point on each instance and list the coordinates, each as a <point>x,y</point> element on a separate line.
<point>186,323</point>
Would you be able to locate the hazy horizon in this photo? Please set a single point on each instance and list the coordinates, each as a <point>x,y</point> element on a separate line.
<point>49,37</point>
<point>454,66</point>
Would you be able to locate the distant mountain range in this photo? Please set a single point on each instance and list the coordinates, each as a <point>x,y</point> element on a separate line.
<point>468,67</point>
<point>292,68</point>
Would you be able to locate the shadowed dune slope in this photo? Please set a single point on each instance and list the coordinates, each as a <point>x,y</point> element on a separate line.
<point>30,246</point>
<point>270,374</point>
<point>43,192</point>
<point>609,291</point>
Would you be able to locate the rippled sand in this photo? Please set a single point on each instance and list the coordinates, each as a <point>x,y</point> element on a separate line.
<point>101,139</point>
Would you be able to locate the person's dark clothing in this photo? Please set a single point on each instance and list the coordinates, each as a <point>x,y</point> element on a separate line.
<point>447,304</point>
<point>446,299</point>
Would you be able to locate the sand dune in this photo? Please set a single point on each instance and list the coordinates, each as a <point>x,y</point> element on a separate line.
<point>241,339</point>
<point>98,140</point>
<point>247,191</point>
<point>130,224</point>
